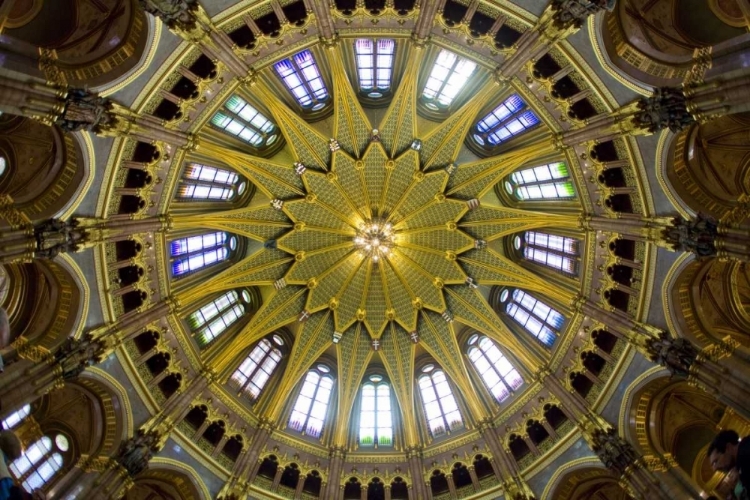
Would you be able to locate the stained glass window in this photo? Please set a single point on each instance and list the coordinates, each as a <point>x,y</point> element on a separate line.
<point>214,318</point>
<point>536,317</point>
<point>557,252</point>
<point>448,76</point>
<point>375,420</point>
<point>510,118</point>
<point>202,182</point>
<point>240,119</point>
<point>440,406</point>
<point>257,368</point>
<point>496,371</point>
<point>301,76</point>
<point>16,417</point>
<point>309,412</point>
<point>196,252</point>
<point>39,462</point>
<point>551,181</point>
<point>374,65</point>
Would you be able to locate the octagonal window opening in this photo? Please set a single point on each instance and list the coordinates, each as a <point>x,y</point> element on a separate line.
<point>497,373</point>
<point>242,120</point>
<point>252,375</point>
<point>302,78</point>
<point>534,316</point>
<point>192,253</point>
<point>310,408</point>
<point>374,65</point>
<point>509,119</point>
<point>448,76</point>
<point>545,182</point>
<point>215,317</point>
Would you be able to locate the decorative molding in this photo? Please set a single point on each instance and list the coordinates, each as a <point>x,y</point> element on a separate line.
<point>67,262</point>
<point>662,162</point>
<point>670,309</point>
<point>578,463</point>
<point>89,165</point>
<point>182,467</point>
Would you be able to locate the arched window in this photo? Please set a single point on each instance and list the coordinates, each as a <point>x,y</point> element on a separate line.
<point>496,371</point>
<point>551,181</point>
<point>40,462</point>
<point>16,417</point>
<point>201,182</point>
<point>240,119</point>
<point>375,419</point>
<point>536,317</point>
<point>374,65</point>
<point>440,406</point>
<point>510,118</point>
<point>449,75</point>
<point>258,367</point>
<point>214,318</point>
<point>309,412</point>
<point>557,252</point>
<point>196,252</point>
<point>301,76</point>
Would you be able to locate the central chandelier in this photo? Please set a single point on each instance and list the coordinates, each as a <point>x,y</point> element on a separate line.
<point>375,239</point>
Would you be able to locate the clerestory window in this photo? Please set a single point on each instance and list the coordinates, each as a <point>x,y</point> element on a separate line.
<point>495,370</point>
<point>213,319</point>
<point>374,65</point>
<point>557,252</point>
<point>16,417</point>
<point>309,412</point>
<point>302,77</point>
<point>551,181</point>
<point>375,418</point>
<point>533,315</point>
<point>242,120</point>
<point>509,119</point>
<point>448,76</point>
<point>253,374</point>
<point>203,182</point>
<point>440,406</point>
<point>196,252</point>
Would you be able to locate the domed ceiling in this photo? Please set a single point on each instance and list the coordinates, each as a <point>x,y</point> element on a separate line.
<point>379,232</point>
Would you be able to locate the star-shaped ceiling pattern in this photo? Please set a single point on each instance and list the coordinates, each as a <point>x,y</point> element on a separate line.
<point>339,187</point>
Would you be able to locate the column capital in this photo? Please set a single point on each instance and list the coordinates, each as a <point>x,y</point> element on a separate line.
<point>567,14</point>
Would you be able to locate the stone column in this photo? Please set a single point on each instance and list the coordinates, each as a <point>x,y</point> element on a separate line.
<point>474,478</point>
<point>277,478</point>
<point>414,457</point>
<point>451,485</point>
<point>300,485</point>
<point>505,465</point>
<point>337,455</point>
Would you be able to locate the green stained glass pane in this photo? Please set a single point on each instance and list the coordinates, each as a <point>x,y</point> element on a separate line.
<point>559,170</point>
<point>220,120</point>
<point>235,103</point>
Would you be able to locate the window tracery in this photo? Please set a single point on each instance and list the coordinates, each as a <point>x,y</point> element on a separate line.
<point>16,417</point>
<point>556,252</point>
<point>255,371</point>
<point>192,253</point>
<point>533,315</point>
<point>509,119</point>
<point>448,76</point>
<point>242,120</point>
<point>309,411</point>
<point>203,182</point>
<point>40,462</point>
<point>213,319</point>
<point>374,65</point>
<point>550,181</point>
<point>441,409</point>
<point>375,418</point>
<point>497,373</point>
<point>302,77</point>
